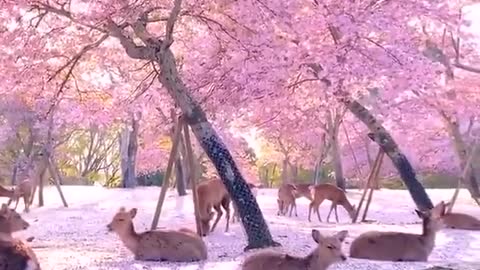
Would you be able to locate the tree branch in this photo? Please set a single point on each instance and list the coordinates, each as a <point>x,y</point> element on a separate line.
<point>177,6</point>
<point>133,50</point>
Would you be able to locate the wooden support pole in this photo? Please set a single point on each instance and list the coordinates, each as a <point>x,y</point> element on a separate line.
<point>465,174</point>
<point>193,181</point>
<point>376,164</point>
<point>372,186</point>
<point>166,179</point>
<point>56,179</point>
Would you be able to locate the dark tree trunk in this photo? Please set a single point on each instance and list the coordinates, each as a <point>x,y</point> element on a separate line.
<point>128,151</point>
<point>334,121</point>
<point>285,178</point>
<point>180,177</point>
<point>381,136</point>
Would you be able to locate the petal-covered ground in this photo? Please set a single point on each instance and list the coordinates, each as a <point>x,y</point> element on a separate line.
<point>76,237</point>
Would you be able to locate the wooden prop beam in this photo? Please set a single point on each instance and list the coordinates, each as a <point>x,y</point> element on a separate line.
<point>465,173</point>
<point>193,180</point>
<point>377,164</point>
<point>166,179</point>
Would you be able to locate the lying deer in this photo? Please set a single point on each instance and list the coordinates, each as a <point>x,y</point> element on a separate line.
<point>303,190</point>
<point>328,252</point>
<point>212,193</point>
<point>286,199</point>
<point>460,221</point>
<point>14,253</point>
<point>235,216</point>
<point>398,246</point>
<point>332,193</point>
<point>23,189</point>
<point>160,245</point>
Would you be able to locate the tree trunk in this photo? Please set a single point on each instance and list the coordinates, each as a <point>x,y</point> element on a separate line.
<point>128,151</point>
<point>461,151</point>
<point>252,218</point>
<point>385,141</point>
<point>333,129</point>
<point>180,177</point>
<point>285,178</point>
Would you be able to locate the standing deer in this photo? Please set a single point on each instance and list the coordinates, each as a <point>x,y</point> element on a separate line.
<point>14,253</point>
<point>159,245</point>
<point>328,252</point>
<point>22,190</point>
<point>212,193</point>
<point>303,190</point>
<point>235,216</point>
<point>332,193</point>
<point>5,192</point>
<point>286,199</point>
<point>398,246</point>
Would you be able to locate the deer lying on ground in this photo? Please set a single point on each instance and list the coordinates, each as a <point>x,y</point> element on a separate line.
<point>460,221</point>
<point>14,253</point>
<point>286,199</point>
<point>332,193</point>
<point>303,190</point>
<point>328,252</point>
<point>398,246</point>
<point>160,245</point>
<point>212,193</point>
<point>23,189</point>
<point>235,216</point>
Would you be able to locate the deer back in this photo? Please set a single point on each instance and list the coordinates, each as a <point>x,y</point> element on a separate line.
<point>16,254</point>
<point>461,221</point>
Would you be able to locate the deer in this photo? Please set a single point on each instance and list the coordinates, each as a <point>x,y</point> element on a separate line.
<point>235,215</point>
<point>212,193</point>
<point>332,193</point>
<point>5,192</point>
<point>399,246</point>
<point>303,190</point>
<point>14,253</point>
<point>327,252</point>
<point>286,199</point>
<point>23,189</point>
<point>460,221</point>
<point>157,245</point>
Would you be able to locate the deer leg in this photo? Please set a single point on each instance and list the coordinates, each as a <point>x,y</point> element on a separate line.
<point>291,208</point>
<point>219,215</point>
<point>336,215</point>
<point>332,206</point>
<point>25,201</point>
<point>318,211</point>
<point>280,207</point>
<point>310,207</point>
<point>295,204</point>
<point>226,206</point>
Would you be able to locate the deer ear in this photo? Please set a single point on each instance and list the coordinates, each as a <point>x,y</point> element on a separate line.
<point>4,209</point>
<point>317,236</point>
<point>341,235</point>
<point>422,214</point>
<point>133,212</point>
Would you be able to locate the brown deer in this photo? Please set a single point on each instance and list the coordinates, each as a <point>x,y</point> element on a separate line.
<point>328,252</point>
<point>5,192</point>
<point>286,199</point>
<point>23,189</point>
<point>14,253</point>
<point>303,190</point>
<point>235,216</point>
<point>398,246</point>
<point>159,245</point>
<point>460,221</point>
<point>332,193</point>
<point>212,193</point>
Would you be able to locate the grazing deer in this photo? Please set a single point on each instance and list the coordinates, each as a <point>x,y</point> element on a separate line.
<point>303,190</point>
<point>23,189</point>
<point>286,199</point>
<point>398,246</point>
<point>14,253</point>
<point>328,252</point>
<point>235,216</point>
<point>159,245</point>
<point>332,193</point>
<point>212,193</point>
<point>460,221</point>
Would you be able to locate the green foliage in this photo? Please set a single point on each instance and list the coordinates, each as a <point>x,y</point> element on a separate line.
<point>151,179</point>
